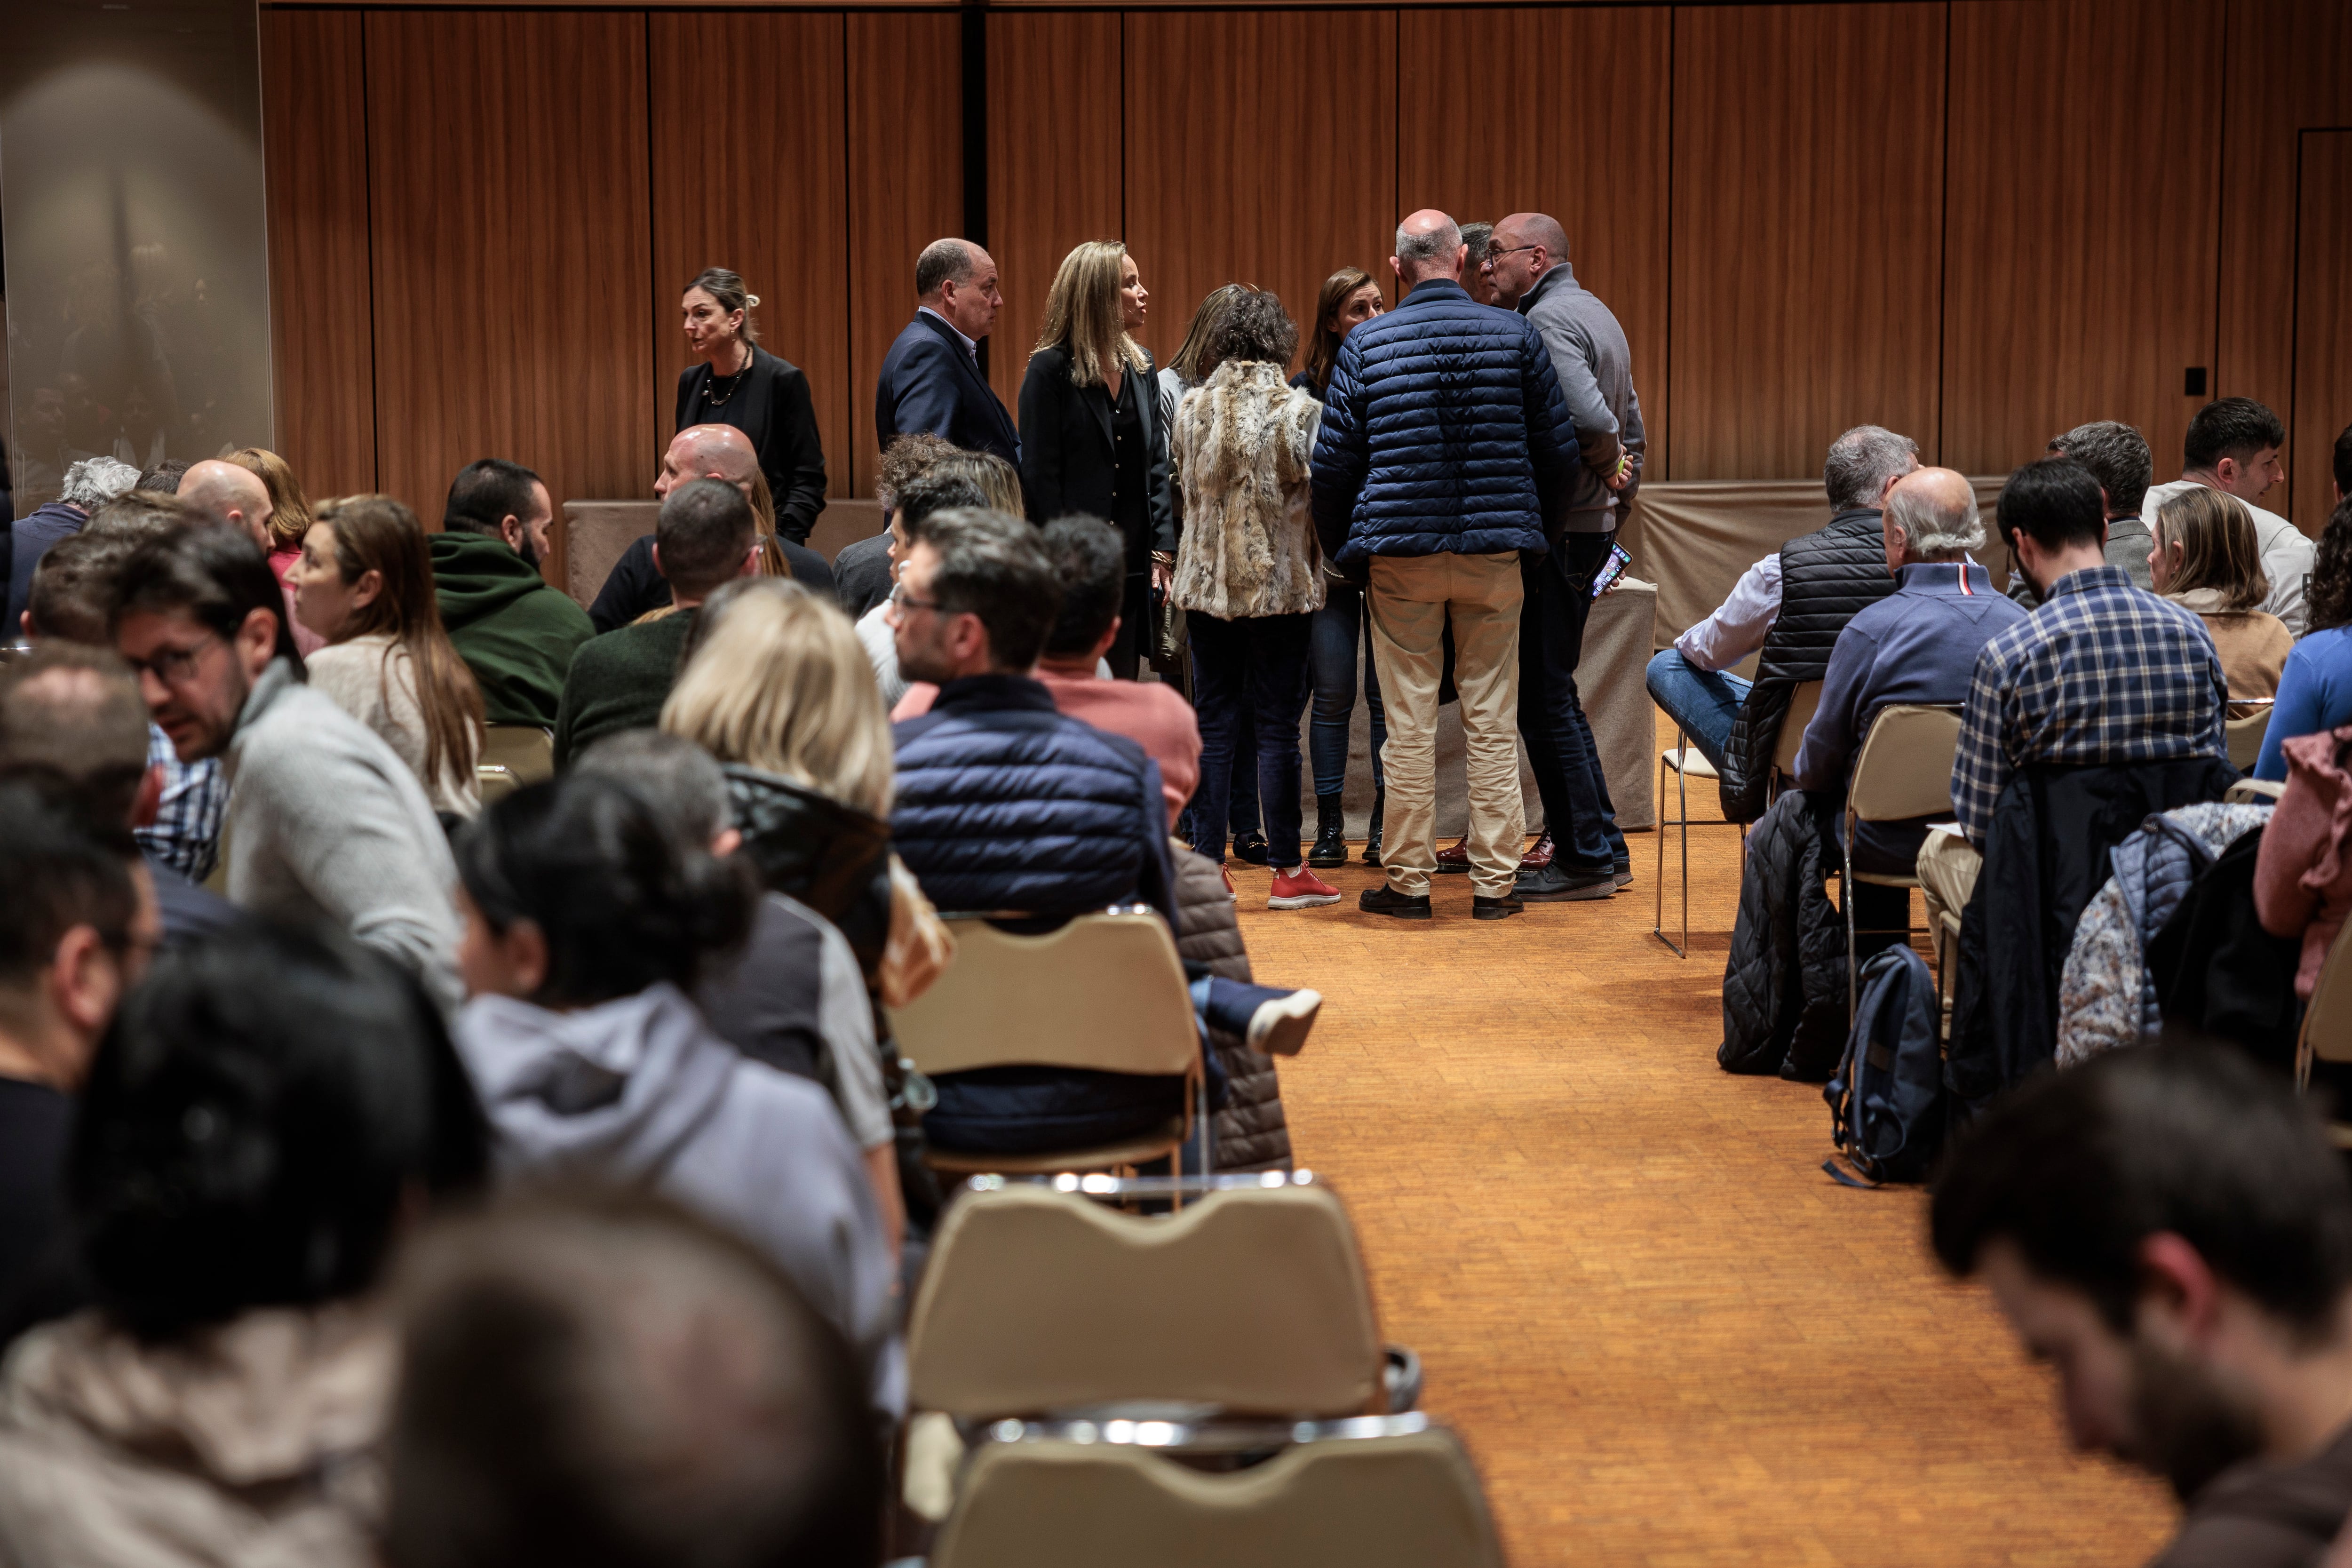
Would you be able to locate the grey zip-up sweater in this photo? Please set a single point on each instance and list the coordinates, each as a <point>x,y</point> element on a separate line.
<point>1595,366</point>
<point>325,824</point>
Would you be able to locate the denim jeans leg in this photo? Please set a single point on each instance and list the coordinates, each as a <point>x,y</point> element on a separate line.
<point>1565,769</point>
<point>1338,632</point>
<point>1242,814</point>
<point>1218,661</point>
<point>1278,677</point>
<point>1582,554</point>
<point>1704,702</point>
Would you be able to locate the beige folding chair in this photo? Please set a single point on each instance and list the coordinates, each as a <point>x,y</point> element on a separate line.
<point>1687,766</point>
<point>2252,791</point>
<point>1105,992</point>
<point>2326,1032</point>
<point>1803,703</point>
<point>2249,721</point>
<point>1405,1496</point>
<point>1250,1302</point>
<point>513,755</point>
<point>1904,771</point>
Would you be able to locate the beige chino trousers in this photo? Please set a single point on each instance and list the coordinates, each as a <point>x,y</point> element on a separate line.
<point>1408,603</point>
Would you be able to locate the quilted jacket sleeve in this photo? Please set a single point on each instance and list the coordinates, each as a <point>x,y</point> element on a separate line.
<point>1552,450</point>
<point>1342,453</point>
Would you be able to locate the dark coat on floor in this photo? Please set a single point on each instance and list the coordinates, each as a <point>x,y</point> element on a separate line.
<point>1253,1133</point>
<point>1784,988</point>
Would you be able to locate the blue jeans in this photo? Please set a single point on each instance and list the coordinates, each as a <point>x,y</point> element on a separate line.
<point>1256,665</point>
<point>1704,702</point>
<point>1340,645</point>
<point>1558,740</point>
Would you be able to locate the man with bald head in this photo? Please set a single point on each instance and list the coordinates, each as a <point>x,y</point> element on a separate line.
<point>636,585</point>
<point>231,496</point>
<point>1445,452</point>
<point>931,379</point>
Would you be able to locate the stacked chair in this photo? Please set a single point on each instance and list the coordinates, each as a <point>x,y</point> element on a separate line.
<point>513,755</point>
<point>1206,1387</point>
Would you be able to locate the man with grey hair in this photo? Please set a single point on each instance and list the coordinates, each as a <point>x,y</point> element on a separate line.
<point>932,378</point>
<point>2117,457</point>
<point>88,485</point>
<point>1837,569</point>
<point>1445,454</point>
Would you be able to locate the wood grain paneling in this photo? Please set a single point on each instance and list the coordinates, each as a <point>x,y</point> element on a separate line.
<point>1595,159</point>
<point>1244,166</point>
<point>2285,72</point>
<point>2081,229</point>
<point>2322,325</point>
<point>508,181</point>
<point>1054,170</point>
<point>754,199</point>
<point>314,143</point>
<point>1808,145</point>
<point>906,187</point>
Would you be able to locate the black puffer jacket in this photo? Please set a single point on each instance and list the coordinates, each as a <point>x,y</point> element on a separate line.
<point>1253,1134</point>
<point>831,856</point>
<point>1784,990</point>
<point>1825,577</point>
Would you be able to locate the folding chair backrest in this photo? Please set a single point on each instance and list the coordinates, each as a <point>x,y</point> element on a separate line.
<point>525,750</point>
<point>1802,704</point>
<point>1106,991</point>
<point>1406,1502</point>
<point>1905,766</point>
<point>1251,1300</point>
<point>2327,1022</point>
<point>2245,734</point>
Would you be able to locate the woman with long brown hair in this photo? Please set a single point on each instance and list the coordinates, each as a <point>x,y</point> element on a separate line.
<point>1092,439</point>
<point>1350,298</point>
<point>2208,560</point>
<point>365,584</point>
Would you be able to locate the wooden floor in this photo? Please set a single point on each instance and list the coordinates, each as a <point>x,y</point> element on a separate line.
<point>1665,1334</point>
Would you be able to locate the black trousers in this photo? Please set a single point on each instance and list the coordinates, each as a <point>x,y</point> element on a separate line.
<point>1567,765</point>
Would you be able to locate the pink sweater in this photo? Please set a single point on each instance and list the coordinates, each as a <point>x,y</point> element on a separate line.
<point>2303,879</point>
<point>1152,714</point>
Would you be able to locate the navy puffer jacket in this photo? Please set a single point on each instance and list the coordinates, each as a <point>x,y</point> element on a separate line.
<point>1006,805</point>
<point>1444,432</point>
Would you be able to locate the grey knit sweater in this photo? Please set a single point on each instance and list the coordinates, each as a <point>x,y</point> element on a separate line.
<point>326,824</point>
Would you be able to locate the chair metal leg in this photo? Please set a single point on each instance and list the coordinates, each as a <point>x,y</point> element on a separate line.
<point>1845,897</point>
<point>1682,792</point>
<point>1658,925</point>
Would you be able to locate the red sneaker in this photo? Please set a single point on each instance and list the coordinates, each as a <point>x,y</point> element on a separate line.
<point>1296,887</point>
<point>1232,893</point>
<point>1537,858</point>
<point>1456,858</point>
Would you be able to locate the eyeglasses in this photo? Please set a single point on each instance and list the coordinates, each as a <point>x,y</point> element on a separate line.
<point>172,665</point>
<point>906,601</point>
<point>1494,250</point>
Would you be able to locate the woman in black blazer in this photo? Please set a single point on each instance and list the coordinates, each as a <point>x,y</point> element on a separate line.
<point>741,384</point>
<point>1092,439</point>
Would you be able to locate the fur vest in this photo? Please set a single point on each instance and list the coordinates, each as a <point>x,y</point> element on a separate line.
<point>1242,446</point>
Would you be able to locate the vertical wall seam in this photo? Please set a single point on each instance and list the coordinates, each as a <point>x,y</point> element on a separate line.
<point>367,202</point>
<point>1943,242</point>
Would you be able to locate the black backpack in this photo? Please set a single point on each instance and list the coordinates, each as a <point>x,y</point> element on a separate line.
<point>1886,1101</point>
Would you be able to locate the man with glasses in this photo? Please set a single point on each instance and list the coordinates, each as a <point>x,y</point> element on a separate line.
<point>325,824</point>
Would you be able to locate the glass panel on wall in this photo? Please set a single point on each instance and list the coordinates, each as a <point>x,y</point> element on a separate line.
<point>132,219</point>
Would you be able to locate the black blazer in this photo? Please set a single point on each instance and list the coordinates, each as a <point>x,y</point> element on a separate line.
<point>771,406</point>
<point>1067,464</point>
<point>929,384</point>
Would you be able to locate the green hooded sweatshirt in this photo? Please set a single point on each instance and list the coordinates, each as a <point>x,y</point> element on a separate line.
<point>515,631</point>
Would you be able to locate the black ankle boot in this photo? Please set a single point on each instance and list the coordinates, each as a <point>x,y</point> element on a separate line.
<point>1330,847</point>
<point>1373,838</point>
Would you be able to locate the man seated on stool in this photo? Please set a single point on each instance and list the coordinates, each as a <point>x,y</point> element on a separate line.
<point>1919,645</point>
<point>635,586</point>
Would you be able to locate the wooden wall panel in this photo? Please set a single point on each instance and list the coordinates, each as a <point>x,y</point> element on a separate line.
<point>2286,71</point>
<point>1595,158</point>
<point>1055,177</point>
<point>755,198</point>
<point>2082,225</point>
<point>905,77</point>
<point>507,182</point>
<point>1242,166</point>
<point>1808,148</point>
<point>2323,326</point>
<point>314,144</point>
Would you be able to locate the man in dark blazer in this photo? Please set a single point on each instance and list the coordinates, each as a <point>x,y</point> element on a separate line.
<point>930,379</point>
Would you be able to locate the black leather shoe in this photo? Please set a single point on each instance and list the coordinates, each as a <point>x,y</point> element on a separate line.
<point>1502,909</point>
<point>1386,901</point>
<point>1250,847</point>
<point>1555,884</point>
<point>1330,847</point>
<point>1373,837</point>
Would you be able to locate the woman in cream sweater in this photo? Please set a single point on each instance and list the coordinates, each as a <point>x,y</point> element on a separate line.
<point>2208,560</point>
<point>365,583</point>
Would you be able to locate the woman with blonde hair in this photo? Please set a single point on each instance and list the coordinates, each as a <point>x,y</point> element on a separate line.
<point>364,585</point>
<point>1092,438</point>
<point>289,520</point>
<point>2208,559</point>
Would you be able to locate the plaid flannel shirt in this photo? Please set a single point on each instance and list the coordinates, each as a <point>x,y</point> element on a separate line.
<point>186,834</point>
<point>2103,672</point>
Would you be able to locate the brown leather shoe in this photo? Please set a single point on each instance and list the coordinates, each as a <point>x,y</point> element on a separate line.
<point>1456,858</point>
<point>1537,858</point>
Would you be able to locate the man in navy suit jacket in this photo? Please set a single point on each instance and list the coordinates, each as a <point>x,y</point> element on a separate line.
<point>930,379</point>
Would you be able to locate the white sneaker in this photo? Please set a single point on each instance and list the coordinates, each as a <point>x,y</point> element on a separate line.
<point>1280,1028</point>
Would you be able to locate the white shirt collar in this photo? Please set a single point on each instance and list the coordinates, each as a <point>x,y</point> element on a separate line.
<point>971,346</point>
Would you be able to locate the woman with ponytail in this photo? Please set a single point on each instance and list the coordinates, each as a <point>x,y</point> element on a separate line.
<point>736,382</point>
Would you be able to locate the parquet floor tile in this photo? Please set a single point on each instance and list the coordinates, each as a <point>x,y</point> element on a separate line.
<point>1666,1336</point>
